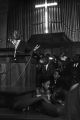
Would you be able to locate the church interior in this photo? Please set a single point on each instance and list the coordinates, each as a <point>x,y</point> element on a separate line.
<point>39,59</point>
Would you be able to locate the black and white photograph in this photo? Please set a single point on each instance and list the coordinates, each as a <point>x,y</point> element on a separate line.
<point>39,59</point>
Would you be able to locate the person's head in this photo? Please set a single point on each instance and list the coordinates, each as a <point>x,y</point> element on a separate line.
<point>16,35</point>
<point>46,84</point>
<point>56,75</point>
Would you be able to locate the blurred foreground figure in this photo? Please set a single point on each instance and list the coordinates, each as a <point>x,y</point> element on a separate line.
<point>73,103</point>
<point>49,105</point>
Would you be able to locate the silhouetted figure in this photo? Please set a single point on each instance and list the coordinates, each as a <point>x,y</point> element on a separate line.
<point>72,107</point>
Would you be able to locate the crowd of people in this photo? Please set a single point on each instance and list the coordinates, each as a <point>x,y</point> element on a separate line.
<point>58,79</point>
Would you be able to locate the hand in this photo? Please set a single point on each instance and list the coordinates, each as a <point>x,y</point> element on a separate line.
<point>36,47</point>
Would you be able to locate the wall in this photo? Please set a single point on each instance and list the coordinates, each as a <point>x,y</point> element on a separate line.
<point>3,22</point>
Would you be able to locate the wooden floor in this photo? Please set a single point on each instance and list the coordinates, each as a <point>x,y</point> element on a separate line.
<point>8,114</point>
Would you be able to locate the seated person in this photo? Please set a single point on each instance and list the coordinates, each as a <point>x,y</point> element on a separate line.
<point>58,88</point>
<point>44,91</point>
<point>46,105</point>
